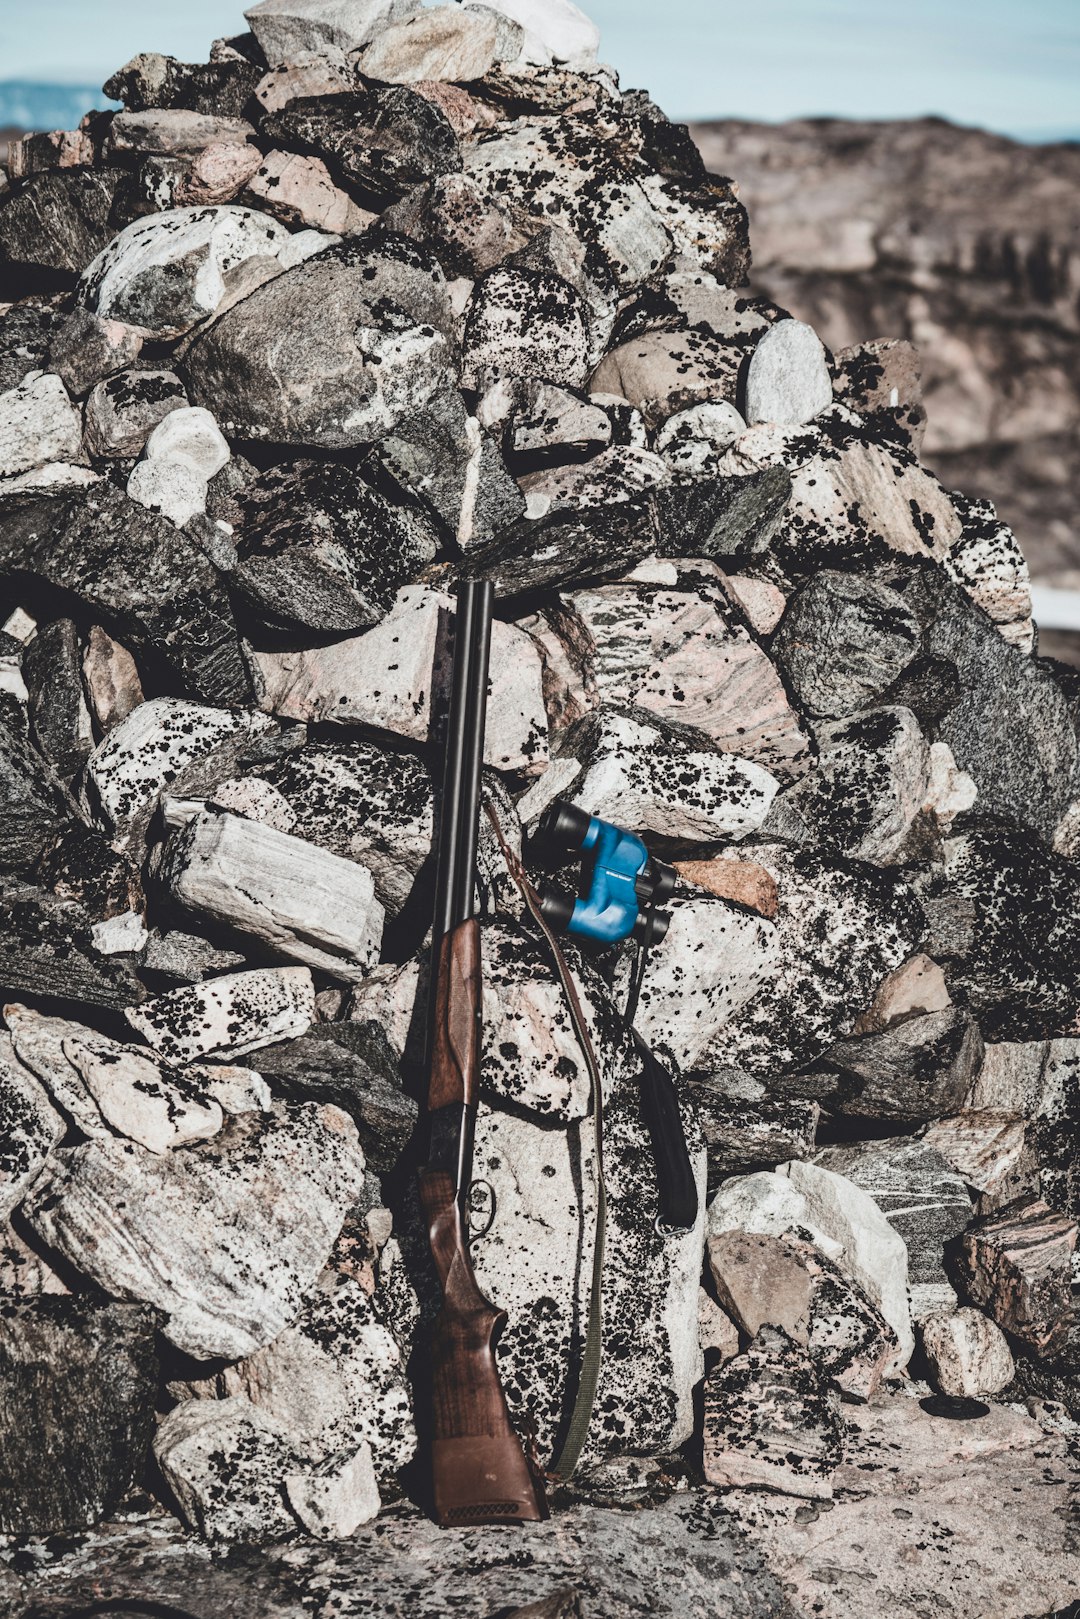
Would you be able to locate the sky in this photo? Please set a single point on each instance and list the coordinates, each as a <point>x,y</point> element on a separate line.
<point>1011,65</point>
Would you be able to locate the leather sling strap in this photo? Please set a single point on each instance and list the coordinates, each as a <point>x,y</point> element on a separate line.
<point>564,1464</point>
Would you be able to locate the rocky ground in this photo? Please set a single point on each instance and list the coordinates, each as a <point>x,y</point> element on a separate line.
<point>374,298</point>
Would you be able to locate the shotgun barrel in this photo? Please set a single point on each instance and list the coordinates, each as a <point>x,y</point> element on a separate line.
<point>479,1471</point>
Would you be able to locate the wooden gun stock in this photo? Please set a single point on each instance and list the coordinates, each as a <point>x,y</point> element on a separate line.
<point>479,1471</point>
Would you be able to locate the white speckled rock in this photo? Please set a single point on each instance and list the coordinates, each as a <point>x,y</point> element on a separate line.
<point>190,435</point>
<point>647,776</point>
<point>768,1203</point>
<point>174,488</point>
<point>384,678</point>
<point>238,1090</point>
<point>226,1465</point>
<point>38,424</point>
<point>306,904</point>
<point>788,377</point>
<point>568,33</point>
<point>149,749</point>
<point>712,960</point>
<point>172,269</point>
<point>681,656</point>
<point>29,1128</point>
<point>286,28</point>
<point>333,1499</point>
<point>691,440</point>
<point>968,1353</point>
<point>236,1013</point>
<point>226,1237</point>
<point>122,935</point>
<point>334,1379</point>
<point>140,1101</point>
<point>535,1262</point>
<point>987,562</point>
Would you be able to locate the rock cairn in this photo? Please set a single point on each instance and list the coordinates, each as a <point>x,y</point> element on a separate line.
<point>376,296</point>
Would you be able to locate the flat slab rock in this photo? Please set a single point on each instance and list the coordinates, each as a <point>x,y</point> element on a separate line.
<point>975,1512</point>
<point>608,1561</point>
<point>149,1227</point>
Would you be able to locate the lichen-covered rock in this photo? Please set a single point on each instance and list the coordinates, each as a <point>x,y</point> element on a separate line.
<point>772,1420</point>
<point>226,1463</point>
<point>679,655</point>
<point>139,1099</point>
<point>334,353</point>
<point>154,747</point>
<point>123,410</point>
<point>384,679</point>
<point>236,1013</point>
<point>150,1227</point>
<point>59,221</point>
<point>172,270</point>
<point>319,547</point>
<point>649,775</point>
<point>988,564</point>
<point>525,323</point>
<point>31,1127</point>
<point>334,1379</point>
<point>919,1068</point>
<point>379,143</point>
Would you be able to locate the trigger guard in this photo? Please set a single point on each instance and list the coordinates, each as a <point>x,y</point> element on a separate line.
<point>475,1207</point>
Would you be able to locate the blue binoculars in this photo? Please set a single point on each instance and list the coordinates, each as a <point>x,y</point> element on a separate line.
<point>621,882</point>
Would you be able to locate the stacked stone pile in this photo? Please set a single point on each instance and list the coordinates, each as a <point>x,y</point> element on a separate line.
<point>378,296</point>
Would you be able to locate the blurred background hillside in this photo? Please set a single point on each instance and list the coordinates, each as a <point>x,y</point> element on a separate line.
<point>910,172</point>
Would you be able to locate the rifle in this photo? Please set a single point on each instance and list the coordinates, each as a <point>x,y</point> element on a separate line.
<point>479,1471</point>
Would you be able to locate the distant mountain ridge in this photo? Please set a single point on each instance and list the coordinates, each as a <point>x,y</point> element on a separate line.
<point>25,104</point>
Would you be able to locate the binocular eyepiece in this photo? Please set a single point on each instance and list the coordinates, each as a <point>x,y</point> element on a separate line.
<point>625,883</point>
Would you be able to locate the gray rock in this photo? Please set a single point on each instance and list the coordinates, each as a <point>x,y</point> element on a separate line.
<point>788,378</point>
<point>562,27</point>
<point>353,1066</point>
<point>32,805</point>
<point>138,1098</point>
<point>285,28</point>
<point>172,488</point>
<point>128,565</point>
<point>691,438</point>
<point>84,349</point>
<point>441,43</point>
<point>301,902</point>
<point>771,1420</point>
<point>123,410</point>
<point>47,948</point>
<point>148,1227</point>
<point>171,271</point>
<point>31,1128</point>
<point>27,329</point>
<point>334,353</point>
<point>172,132</point>
<point>617,474</point>
<point>470,229</point>
<point>921,1196</point>
<point>318,546</point>
<point>234,1014</point>
<point>442,457</point>
<point>78,1380</point>
<point>377,143</point>
<point>38,424</point>
<point>648,775</point>
<point>843,641</point>
<point>59,221</point>
<point>522,322</point>
<point>918,1069</point>
<point>186,958</point>
<point>748,1132</point>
